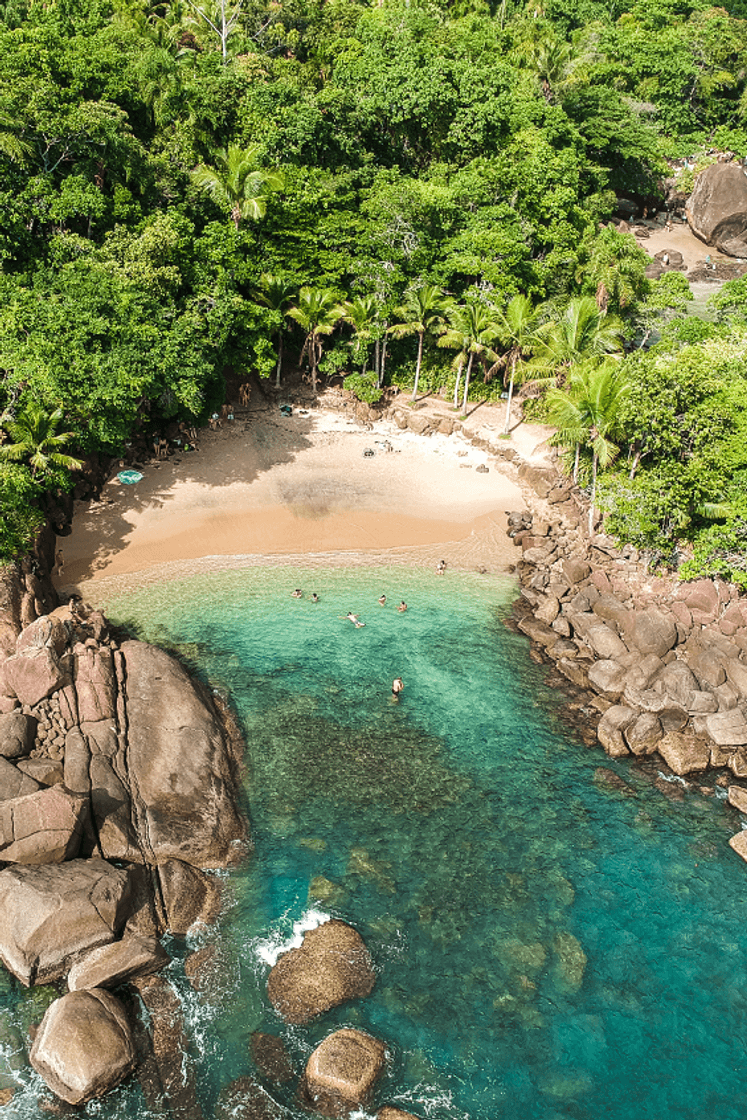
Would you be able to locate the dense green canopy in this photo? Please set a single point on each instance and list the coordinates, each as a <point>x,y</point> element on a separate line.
<point>159,161</point>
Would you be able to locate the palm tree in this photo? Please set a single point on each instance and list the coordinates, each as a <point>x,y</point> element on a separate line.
<point>35,438</point>
<point>517,329</point>
<point>276,293</point>
<point>360,313</point>
<point>317,312</point>
<point>471,331</point>
<point>589,414</point>
<point>236,184</point>
<point>422,313</point>
<point>583,331</point>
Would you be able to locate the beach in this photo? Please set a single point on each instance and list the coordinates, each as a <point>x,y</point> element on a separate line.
<point>267,485</point>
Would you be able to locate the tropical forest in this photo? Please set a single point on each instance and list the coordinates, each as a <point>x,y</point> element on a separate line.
<point>413,194</point>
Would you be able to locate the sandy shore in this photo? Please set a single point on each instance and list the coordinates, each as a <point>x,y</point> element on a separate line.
<point>269,486</point>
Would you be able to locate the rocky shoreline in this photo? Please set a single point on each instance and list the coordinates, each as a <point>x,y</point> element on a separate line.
<point>118,780</point>
<point>657,667</point>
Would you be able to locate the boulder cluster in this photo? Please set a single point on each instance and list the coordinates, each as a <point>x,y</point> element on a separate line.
<point>117,794</point>
<point>332,965</point>
<point>662,664</point>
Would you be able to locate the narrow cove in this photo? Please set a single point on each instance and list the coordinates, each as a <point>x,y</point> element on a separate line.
<point>545,946</point>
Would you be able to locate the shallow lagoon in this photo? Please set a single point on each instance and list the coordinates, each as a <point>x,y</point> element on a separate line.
<point>546,947</point>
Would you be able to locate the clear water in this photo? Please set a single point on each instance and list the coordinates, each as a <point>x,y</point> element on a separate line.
<point>546,948</point>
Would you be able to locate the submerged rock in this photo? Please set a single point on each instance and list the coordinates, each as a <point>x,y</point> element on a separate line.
<point>332,965</point>
<point>83,1047</point>
<point>342,1071</point>
<point>245,1099</point>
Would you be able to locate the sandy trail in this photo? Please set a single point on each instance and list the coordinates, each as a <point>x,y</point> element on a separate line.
<point>269,486</point>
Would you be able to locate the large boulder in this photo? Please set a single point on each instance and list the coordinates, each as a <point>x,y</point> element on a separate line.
<point>684,753</point>
<point>14,783</point>
<point>179,770</point>
<point>11,596</point>
<point>42,827</point>
<point>33,675</point>
<point>331,965</point>
<point>607,678</point>
<point>189,896</point>
<point>611,729</point>
<point>47,630</point>
<point>342,1071</point>
<point>717,208</point>
<point>650,631</point>
<point>17,735</point>
<point>605,642</point>
<point>644,733</point>
<point>95,684</point>
<point>115,964</point>
<point>83,1047</point>
<point>727,729</point>
<point>50,914</point>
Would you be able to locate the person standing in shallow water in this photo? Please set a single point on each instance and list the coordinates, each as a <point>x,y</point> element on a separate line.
<point>440,567</point>
<point>397,685</point>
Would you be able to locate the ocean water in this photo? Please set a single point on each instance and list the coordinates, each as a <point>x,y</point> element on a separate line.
<point>546,946</point>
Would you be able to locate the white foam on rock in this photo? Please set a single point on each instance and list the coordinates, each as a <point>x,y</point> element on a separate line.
<point>269,949</point>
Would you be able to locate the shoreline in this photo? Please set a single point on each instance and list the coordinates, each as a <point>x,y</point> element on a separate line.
<point>302,491</point>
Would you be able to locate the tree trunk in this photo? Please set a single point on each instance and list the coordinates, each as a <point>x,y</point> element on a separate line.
<point>417,364</point>
<point>575,463</point>
<point>594,461</point>
<point>313,363</point>
<point>636,461</point>
<point>280,358</point>
<point>460,367</point>
<point>466,382</point>
<point>380,381</point>
<point>507,425</point>
<point>377,363</point>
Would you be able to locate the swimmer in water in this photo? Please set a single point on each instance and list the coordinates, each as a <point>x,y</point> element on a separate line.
<point>351,617</point>
<point>297,594</point>
<point>359,624</point>
<point>402,607</point>
<point>382,600</point>
<point>397,685</point>
<point>440,567</point>
<point>314,597</point>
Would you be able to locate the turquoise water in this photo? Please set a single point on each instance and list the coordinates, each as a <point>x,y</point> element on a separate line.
<point>546,948</point>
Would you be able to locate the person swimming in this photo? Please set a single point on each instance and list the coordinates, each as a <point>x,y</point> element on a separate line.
<point>440,567</point>
<point>402,607</point>
<point>382,600</point>
<point>297,594</point>
<point>397,685</point>
<point>352,617</point>
<point>314,597</point>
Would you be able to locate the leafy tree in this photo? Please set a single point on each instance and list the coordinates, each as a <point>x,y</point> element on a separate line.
<point>471,330</point>
<point>276,293</point>
<point>35,440</point>
<point>590,414</point>
<point>361,314</point>
<point>236,184</point>
<point>423,313</point>
<point>583,331</point>
<point>317,312</point>
<point>517,329</point>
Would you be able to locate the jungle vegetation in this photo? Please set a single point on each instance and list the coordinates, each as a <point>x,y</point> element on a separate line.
<point>415,192</point>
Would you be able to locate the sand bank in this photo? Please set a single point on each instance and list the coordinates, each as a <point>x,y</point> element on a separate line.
<point>269,486</point>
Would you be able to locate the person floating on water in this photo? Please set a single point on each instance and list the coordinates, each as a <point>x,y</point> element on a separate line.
<point>382,600</point>
<point>402,607</point>
<point>440,567</point>
<point>314,597</point>
<point>351,617</point>
<point>397,685</point>
<point>297,594</point>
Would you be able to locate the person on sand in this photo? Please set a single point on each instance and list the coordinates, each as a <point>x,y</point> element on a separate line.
<point>402,607</point>
<point>382,600</point>
<point>397,685</point>
<point>59,562</point>
<point>297,594</point>
<point>440,567</point>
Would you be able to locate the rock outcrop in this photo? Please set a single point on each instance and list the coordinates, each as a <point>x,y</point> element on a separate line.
<point>332,965</point>
<point>717,208</point>
<point>342,1072</point>
<point>84,1046</point>
<point>117,963</point>
<point>51,914</point>
<point>180,778</point>
<point>42,827</point>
